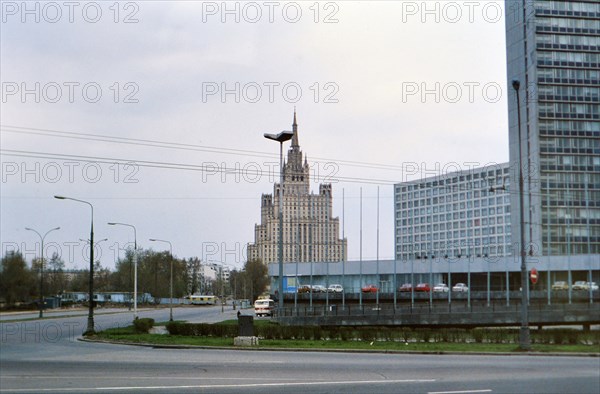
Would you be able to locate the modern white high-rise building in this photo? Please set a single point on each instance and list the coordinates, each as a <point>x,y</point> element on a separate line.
<point>459,214</point>
<point>310,232</point>
<point>553,50</point>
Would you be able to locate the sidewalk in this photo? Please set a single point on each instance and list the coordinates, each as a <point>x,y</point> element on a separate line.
<point>23,315</point>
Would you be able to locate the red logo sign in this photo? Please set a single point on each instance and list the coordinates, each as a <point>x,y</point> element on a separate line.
<point>533,275</point>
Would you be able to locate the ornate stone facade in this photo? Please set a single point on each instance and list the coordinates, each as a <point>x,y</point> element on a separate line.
<point>310,233</point>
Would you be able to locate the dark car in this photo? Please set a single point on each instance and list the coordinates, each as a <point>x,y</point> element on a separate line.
<point>407,287</point>
<point>304,289</point>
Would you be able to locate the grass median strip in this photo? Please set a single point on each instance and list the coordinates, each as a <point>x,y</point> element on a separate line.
<point>128,335</point>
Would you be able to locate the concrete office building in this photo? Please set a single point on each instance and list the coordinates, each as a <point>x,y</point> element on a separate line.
<point>310,233</point>
<point>553,49</point>
<point>459,214</point>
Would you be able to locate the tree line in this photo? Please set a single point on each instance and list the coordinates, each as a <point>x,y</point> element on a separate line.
<point>20,282</point>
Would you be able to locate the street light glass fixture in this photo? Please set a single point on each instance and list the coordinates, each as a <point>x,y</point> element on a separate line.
<point>90,323</point>
<point>171,285</point>
<point>281,138</point>
<point>135,316</point>
<point>42,266</point>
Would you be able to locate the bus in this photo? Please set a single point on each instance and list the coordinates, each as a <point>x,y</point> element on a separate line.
<point>202,299</point>
<point>264,307</point>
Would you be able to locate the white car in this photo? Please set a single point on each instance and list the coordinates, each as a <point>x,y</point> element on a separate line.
<point>335,289</point>
<point>319,289</point>
<point>580,285</point>
<point>460,287</point>
<point>440,288</point>
<point>593,286</point>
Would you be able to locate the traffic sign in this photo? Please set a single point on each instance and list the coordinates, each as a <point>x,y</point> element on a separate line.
<point>533,275</point>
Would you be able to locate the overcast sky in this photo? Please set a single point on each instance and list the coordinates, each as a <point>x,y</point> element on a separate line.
<point>183,89</point>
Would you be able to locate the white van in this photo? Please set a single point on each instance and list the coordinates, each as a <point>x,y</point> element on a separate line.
<point>264,307</point>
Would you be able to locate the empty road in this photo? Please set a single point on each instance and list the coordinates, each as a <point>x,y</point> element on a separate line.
<point>44,356</point>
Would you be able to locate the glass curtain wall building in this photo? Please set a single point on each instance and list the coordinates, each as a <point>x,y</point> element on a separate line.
<point>553,49</point>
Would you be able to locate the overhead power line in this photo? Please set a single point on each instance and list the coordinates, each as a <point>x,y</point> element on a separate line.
<point>183,146</point>
<point>181,166</point>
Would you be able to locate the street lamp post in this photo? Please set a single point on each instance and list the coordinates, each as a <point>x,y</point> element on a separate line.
<point>281,138</point>
<point>42,267</point>
<point>524,338</point>
<point>171,285</point>
<point>135,316</point>
<point>222,278</point>
<point>90,323</point>
<point>222,292</point>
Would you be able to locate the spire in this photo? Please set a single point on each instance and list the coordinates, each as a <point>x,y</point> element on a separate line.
<point>295,143</point>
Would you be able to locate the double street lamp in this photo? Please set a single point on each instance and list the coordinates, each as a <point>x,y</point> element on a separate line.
<point>90,323</point>
<point>135,316</point>
<point>42,267</point>
<point>281,138</point>
<point>171,285</point>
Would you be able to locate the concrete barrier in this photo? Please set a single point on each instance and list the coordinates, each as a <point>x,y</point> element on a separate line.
<point>245,341</point>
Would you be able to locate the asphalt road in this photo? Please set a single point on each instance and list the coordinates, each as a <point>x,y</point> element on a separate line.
<point>44,356</point>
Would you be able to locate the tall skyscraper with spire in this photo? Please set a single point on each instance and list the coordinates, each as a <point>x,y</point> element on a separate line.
<point>310,233</point>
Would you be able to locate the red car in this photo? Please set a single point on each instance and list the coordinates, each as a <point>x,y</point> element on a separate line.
<point>369,289</point>
<point>423,287</point>
<point>407,287</point>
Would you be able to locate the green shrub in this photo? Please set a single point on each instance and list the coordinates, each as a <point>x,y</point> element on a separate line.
<point>142,326</point>
<point>203,330</point>
<point>478,335</point>
<point>345,334</point>
<point>268,331</point>
<point>334,333</point>
<point>406,335</point>
<point>367,334</point>
<point>425,335</point>
<point>174,328</point>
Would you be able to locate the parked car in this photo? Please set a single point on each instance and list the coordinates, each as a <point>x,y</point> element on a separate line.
<point>460,287</point>
<point>369,289</point>
<point>319,289</point>
<point>335,289</point>
<point>423,287</point>
<point>440,288</point>
<point>407,287</point>
<point>560,285</point>
<point>593,286</point>
<point>303,289</point>
<point>580,285</point>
